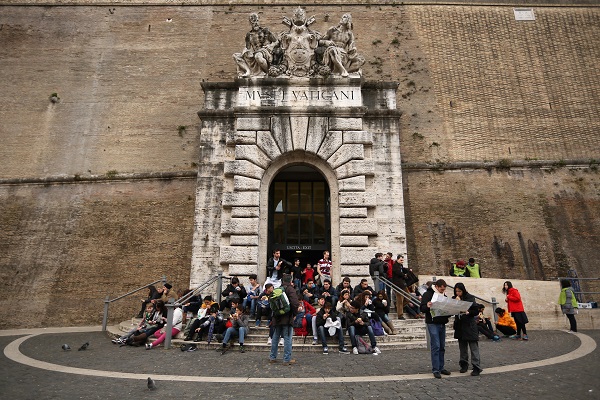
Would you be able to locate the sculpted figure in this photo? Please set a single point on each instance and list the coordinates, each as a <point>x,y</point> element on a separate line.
<point>340,50</point>
<point>256,58</point>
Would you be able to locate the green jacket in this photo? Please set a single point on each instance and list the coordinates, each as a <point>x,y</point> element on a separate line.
<point>567,301</point>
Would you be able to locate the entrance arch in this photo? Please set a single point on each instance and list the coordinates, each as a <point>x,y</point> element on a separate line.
<point>293,229</point>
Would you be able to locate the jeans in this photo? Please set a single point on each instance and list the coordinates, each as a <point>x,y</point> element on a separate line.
<point>437,335</point>
<point>234,332</point>
<point>323,337</point>
<point>250,303</point>
<point>286,332</point>
<point>362,330</point>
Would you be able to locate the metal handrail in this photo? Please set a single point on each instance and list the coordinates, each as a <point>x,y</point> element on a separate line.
<point>184,299</point>
<point>407,295</point>
<point>107,300</point>
<point>172,304</point>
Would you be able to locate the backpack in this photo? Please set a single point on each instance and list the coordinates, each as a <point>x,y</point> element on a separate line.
<point>377,327</point>
<point>298,319</point>
<point>280,304</point>
<point>362,346</point>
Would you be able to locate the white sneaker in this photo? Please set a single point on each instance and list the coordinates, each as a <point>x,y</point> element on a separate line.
<point>281,342</point>
<point>269,341</point>
<point>376,350</point>
<point>354,350</point>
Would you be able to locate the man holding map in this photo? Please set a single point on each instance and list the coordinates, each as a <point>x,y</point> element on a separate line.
<point>438,308</point>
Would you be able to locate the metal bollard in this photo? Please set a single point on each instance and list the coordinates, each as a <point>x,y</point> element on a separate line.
<point>105,317</point>
<point>170,308</point>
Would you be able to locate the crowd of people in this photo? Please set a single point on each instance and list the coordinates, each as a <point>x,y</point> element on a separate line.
<point>304,301</point>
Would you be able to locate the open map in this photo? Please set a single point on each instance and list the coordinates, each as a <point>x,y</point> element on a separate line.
<point>442,306</point>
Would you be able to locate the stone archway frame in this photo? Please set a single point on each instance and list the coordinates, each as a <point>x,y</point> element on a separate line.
<point>333,142</point>
<point>287,160</point>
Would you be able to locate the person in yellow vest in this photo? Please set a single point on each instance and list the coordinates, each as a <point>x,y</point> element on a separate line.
<point>458,269</point>
<point>473,269</point>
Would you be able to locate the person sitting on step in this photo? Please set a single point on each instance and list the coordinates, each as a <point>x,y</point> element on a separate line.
<point>263,307</point>
<point>382,309</point>
<point>239,328</point>
<point>358,324</point>
<point>329,324</point>
<point>506,324</point>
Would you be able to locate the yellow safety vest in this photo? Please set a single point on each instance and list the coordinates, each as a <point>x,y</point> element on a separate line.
<point>473,270</point>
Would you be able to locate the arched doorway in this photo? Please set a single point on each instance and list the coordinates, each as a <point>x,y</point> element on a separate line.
<point>299,214</point>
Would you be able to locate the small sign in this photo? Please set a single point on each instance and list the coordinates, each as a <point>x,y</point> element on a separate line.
<point>524,14</point>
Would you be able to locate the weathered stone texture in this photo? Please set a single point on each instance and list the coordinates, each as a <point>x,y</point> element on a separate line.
<point>239,226</point>
<point>65,247</point>
<point>240,199</point>
<point>354,184</point>
<point>239,254</point>
<point>480,214</point>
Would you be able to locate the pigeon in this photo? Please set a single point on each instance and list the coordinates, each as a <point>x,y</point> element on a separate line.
<point>151,384</point>
<point>66,347</point>
<point>84,346</point>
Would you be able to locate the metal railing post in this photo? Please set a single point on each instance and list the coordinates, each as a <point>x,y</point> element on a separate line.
<point>494,306</point>
<point>105,317</point>
<point>170,308</point>
<point>376,282</point>
<point>219,286</point>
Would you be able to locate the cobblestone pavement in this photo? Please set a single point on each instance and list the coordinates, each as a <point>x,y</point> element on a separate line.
<point>576,378</point>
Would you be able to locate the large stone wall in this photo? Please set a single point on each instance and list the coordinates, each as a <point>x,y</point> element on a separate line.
<point>475,86</point>
<point>64,248</point>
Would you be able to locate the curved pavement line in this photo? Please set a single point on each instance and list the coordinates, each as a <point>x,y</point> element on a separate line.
<point>12,352</point>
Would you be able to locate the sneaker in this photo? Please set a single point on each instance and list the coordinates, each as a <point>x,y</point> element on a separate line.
<point>325,350</point>
<point>192,347</point>
<point>437,375</point>
<point>525,337</point>
<point>344,350</point>
<point>569,331</point>
<point>376,350</point>
<point>445,372</point>
<point>354,350</point>
<point>269,341</point>
<point>119,341</point>
<point>314,341</point>
<point>475,372</point>
<point>148,346</point>
<point>496,338</point>
<point>281,342</point>
<point>515,337</point>
<point>242,349</point>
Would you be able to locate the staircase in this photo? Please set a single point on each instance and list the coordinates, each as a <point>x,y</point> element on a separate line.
<point>410,334</point>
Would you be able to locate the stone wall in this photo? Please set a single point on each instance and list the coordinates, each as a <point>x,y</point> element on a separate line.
<point>64,248</point>
<point>475,86</point>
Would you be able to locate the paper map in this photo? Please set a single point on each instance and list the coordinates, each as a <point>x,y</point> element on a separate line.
<point>442,306</point>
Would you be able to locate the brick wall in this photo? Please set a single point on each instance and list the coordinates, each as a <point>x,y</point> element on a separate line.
<point>475,85</point>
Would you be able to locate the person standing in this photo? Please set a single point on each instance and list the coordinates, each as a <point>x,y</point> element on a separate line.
<point>436,327</point>
<point>283,324</point>
<point>324,267</point>
<point>399,279</point>
<point>276,266</point>
<point>472,268</point>
<point>516,309</point>
<point>568,303</point>
<point>467,332</point>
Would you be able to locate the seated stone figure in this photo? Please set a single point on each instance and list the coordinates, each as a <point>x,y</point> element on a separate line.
<point>257,56</point>
<point>340,53</point>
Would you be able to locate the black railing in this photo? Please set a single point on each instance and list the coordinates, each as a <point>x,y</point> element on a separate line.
<point>108,300</point>
<point>172,304</point>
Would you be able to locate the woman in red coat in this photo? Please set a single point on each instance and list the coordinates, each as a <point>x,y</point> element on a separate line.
<point>515,307</point>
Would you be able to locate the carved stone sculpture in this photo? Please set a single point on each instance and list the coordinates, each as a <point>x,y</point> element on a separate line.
<point>257,56</point>
<point>340,53</point>
<point>299,44</point>
<point>299,51</point>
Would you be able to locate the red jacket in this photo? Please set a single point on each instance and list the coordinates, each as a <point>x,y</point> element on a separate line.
<point>390,264</point>
<point>513,301</point>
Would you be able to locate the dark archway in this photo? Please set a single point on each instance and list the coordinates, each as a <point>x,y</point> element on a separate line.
<point>299,214</point>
